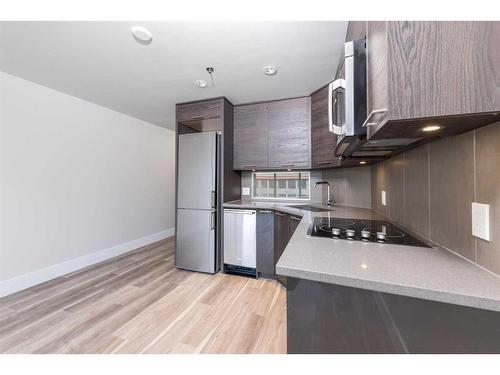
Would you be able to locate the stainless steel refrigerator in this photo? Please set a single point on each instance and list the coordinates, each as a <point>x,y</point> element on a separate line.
<point>197,207</point>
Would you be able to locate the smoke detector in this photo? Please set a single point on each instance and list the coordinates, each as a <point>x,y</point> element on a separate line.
<point>270,70</point>
<point>141,34</point>
<point>200,83</point>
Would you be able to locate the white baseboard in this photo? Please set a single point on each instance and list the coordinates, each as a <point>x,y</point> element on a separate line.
<point>30,279</point>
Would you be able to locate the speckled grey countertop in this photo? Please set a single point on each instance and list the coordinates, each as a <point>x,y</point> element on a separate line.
<point>428,273</point>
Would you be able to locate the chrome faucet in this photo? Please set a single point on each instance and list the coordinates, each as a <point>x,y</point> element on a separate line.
<point>330,202</point>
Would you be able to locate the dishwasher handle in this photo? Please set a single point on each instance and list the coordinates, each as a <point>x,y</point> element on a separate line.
<point>238,211</point>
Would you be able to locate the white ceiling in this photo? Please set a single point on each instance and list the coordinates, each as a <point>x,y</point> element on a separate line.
<point>101,62</point>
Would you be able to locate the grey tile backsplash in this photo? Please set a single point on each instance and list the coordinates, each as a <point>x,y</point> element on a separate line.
<point>430,189</point>
<point>350,186</point>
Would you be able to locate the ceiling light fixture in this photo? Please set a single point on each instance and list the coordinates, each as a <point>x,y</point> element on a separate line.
<point>431,128</point>
<point>141,34</point>
<point>270,70</point>
<point>200,83</point>
<point>362,162</point>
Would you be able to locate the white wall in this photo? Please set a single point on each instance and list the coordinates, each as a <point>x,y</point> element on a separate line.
<point>78,183</point>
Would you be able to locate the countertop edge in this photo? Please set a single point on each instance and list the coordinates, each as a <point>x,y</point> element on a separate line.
<point>431,294</point>
<point>398,289</point>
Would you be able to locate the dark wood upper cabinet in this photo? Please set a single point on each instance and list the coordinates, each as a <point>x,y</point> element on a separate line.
<point>356,30</point>
<point>289,133</point>
<point>196,111</point>
<point>436,72</point>
<point>272,135</point>
<point>323,141</point>
<point>250,137</point>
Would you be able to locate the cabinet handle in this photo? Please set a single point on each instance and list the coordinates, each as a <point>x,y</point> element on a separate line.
<point>373,113</point>
<point>197,118</point>
<point>296,218</point>
<point>323,162</point>
<point>249,166</point>
<point>288,165</point>
<point>266,212</point>
<point>239,211</point>
<point>279,214</point>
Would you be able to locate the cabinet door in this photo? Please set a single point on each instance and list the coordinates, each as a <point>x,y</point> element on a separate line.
<point>199,110</point>
<point>280,234</point>
<point>355,30</point>
<point>265,243</point>
<point>289,133</point>
<point>323,141</point>
<point>293,223</point>
<point>281,237</point>
<point>250,141</point>
<point>376,71</point>
<point>443,68</point>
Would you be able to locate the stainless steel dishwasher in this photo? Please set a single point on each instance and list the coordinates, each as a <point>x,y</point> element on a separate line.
<point>240,241</point>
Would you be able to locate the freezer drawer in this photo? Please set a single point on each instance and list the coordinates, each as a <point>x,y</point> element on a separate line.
<point>195,240</point>
<point>240,236</point>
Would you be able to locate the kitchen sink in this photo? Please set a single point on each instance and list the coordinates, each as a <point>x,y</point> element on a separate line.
<point>308,207</point>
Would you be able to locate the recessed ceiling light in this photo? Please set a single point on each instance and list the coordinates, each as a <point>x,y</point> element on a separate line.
<point>431,128</point>
<point>200,83</point>
<point>364,266</point>
<point>141,34</point>
<point>270,70</point>
<point>362,162</point>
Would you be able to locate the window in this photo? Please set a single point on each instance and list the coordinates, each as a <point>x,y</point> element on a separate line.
<point>281,185</point>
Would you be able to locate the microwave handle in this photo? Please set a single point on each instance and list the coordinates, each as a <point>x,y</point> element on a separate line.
<point>333,88</point>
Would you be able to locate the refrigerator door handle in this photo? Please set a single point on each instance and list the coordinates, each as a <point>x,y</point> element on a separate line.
<point>212,220</point>
<point>213,198</point>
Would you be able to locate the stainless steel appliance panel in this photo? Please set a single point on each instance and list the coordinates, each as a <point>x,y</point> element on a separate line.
<point>197,171</point>
<point>240,238</point>
<point>195,240</point>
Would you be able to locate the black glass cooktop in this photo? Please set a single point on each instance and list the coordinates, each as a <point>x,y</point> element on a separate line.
<point>362,230</point>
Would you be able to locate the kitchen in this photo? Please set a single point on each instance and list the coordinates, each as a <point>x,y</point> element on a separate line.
<point>352,211</point>
<point>382,244</point>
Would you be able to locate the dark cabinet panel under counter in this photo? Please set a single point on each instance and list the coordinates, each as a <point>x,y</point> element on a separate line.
<point>333,319</point>
<point>265,244</point>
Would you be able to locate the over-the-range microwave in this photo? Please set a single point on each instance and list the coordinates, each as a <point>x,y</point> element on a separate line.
<point>347,100</point>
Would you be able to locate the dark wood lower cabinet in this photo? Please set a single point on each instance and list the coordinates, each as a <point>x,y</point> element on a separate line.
<point>284,227</point>
<point>293,223</point>
<point>265,243</point>
<point>281,237</point>
<point>274,230</point>
<point>327,318</point>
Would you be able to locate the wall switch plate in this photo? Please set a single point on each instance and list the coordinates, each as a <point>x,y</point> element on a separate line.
<point>384,202</point>
<point>481,220</point>
<point>245,191</point>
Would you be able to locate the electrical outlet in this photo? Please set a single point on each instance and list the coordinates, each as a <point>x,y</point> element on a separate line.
<point>384,202</point>
<point>245,191</point>
<point>481,220</point>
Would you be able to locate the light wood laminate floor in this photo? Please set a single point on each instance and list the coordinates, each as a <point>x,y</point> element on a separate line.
<point>140,303</point>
